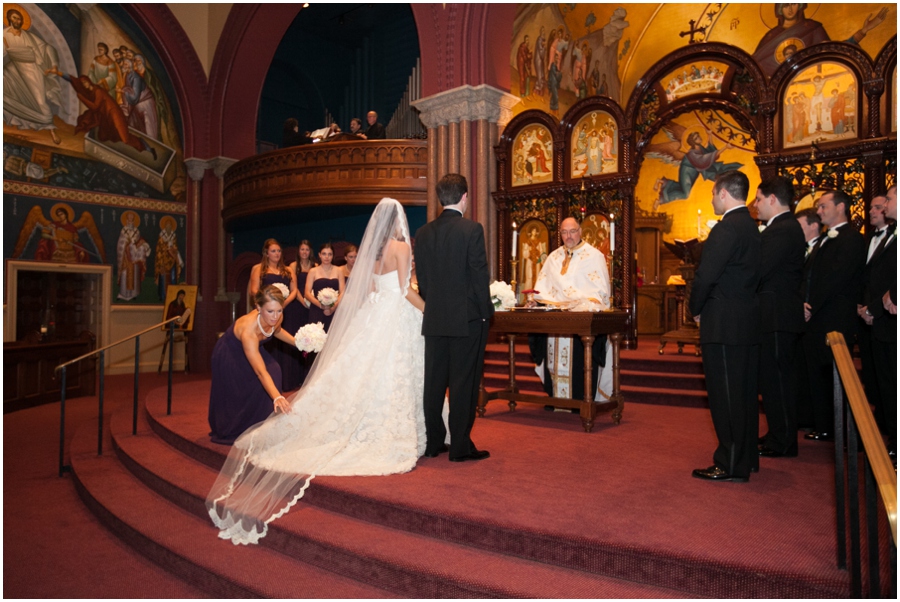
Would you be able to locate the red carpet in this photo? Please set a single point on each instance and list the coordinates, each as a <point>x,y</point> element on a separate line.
<point>554,512</point>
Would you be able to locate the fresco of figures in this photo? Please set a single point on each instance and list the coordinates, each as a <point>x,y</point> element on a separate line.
<point>595,145</point>
<point>820,104</point>
<point>88,116</point>
<point>532,156</point>
<point>561,53</point>
<point>700,78</point>
<point>534,245</point>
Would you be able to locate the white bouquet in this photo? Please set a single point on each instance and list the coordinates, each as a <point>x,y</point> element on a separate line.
<point>502,296</point>
<point>311,338</point>
<point>327,297</point>
<point>285,291</point>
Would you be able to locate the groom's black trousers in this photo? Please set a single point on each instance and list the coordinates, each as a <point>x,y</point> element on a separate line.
<point>457,363</point>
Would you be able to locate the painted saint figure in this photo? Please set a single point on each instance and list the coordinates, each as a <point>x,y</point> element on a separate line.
<point>132,252</point>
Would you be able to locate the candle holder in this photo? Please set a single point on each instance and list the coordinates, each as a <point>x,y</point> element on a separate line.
<point>513,267</point>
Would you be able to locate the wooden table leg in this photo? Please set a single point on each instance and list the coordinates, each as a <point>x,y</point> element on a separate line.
<point>587,404</point>
<point>512,370</point>
<point>615,339</point>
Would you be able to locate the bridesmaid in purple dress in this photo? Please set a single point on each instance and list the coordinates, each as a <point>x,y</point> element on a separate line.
<point>272,270</point>
<point>296,315</point>
<point>350,254</point>
<point>244,387</point>
<point>325,275</point>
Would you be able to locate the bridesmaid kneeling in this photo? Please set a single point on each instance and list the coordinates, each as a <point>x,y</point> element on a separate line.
<point>243,390</point>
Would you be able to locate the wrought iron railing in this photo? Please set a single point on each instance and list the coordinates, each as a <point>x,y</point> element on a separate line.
<point>880,480</point>
<point>63,467</point>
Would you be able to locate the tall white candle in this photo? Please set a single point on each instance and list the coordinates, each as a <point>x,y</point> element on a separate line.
<point>698,223</point>
<point>515,240</point>
<point>612,234</point>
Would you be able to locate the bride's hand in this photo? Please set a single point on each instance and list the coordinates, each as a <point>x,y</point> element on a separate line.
<point>281,405</point>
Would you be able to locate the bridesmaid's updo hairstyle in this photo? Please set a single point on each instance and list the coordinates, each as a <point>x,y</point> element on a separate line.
<point>269,293</point>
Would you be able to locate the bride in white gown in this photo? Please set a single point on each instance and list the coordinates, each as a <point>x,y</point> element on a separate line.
<point>359,411</point>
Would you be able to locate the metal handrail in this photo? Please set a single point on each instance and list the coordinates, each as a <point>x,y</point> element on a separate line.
<point>171,322</point>
<point>860,425</point>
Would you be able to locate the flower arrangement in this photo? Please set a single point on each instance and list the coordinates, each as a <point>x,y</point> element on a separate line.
<point>285,291</point>
<point>310,338</point>
<point>502,296</point>
<point>327,297</point>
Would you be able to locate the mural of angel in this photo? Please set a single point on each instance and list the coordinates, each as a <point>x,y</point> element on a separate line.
<point>687,150</point>
<point>60,238</point>
<point>132,252</point>
<point>169,262</point>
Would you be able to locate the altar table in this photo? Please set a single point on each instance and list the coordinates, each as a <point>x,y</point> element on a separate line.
<point>587,325</point>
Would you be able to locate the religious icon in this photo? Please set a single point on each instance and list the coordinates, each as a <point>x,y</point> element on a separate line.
<point>169,263</point>
<point>532,156</point>
<point>132,252</point>
<point>60,238</point>
<point>181,301</point>
<point>595,145</point>
<point>533,249</point>
<point>820,104</point>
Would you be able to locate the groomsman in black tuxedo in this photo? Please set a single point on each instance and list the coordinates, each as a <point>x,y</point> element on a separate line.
<point>876,234</point>
<point>725,303</point>
<point>781,314</point>
<point>881,313</point>
<point>835,283</point>
<point>451,265</point>
<point>811,224</point>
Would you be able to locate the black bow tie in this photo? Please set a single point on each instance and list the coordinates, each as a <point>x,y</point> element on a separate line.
<point>878,233</point>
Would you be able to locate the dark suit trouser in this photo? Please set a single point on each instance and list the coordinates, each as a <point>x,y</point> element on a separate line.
<point>777,351</point>
<point>731,374</point>
<point>820,369</point>
<point>885,354</point>
<point>868,377</point>
<point>457,363</point>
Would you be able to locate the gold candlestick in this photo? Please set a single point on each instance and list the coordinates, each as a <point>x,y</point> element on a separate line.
<point>513,266</point>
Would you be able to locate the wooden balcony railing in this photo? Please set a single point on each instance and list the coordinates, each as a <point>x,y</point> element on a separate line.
<point>347,172</point>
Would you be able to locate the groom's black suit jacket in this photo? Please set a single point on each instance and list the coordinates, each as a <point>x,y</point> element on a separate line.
<point>451,265</point>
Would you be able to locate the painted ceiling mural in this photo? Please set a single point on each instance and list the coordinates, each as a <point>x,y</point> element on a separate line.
<point>561,53</point>
<point>93,168</point>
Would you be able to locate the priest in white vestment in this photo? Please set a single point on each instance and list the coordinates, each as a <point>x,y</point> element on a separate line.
<point>574,278</point>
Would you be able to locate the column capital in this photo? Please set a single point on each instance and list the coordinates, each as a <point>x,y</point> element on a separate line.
<point>466,103</point>
<point>196,168</point>
<point>220,165</point>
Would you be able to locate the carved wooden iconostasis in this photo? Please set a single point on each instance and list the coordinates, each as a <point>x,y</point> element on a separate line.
<point>826,118</point>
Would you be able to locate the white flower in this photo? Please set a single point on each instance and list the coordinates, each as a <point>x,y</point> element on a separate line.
<point>762,227</point>
<point>285,291</point>
<point>832,233</point>
<point>327,297</point>
<point>311,338</point>
<point>502,295</point>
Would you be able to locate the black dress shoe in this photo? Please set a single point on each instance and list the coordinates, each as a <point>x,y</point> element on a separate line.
<point>762,440</point>
<point>434,454</point>
<point>754,469</point>
<point>817,436</point>
<point>475,455</point>
<point>768,452</point>
<point>714,473</point>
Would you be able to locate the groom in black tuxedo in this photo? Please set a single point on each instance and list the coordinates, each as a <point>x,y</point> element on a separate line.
<point>724,300</point>
<point>451,265</point>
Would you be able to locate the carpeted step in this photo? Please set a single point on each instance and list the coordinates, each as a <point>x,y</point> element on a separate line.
<point>667,397</point>
<point>648,521</point>
<point>407,564</point>
<point>663,380</point>
<point>185,545</point>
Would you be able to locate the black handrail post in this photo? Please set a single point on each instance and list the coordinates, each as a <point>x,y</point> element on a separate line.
<point>100,411</point>
<point>171,360</point>
<point>62,421</point>
<point>853,490</point>
<point>137,371</point>
<point>872,531</point>
<point>839,470</point>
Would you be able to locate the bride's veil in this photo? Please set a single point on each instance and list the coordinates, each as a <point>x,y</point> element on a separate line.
<point>248,493</point>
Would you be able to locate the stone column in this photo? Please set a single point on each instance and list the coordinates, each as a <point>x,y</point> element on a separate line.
<point>196,170</point>
<point>219,166</point>
<point>450,117</point>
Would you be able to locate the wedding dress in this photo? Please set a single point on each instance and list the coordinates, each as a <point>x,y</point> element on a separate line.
<point>359,411</point>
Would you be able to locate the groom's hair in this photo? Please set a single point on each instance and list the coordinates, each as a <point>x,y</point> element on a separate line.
<point>451,189</point>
